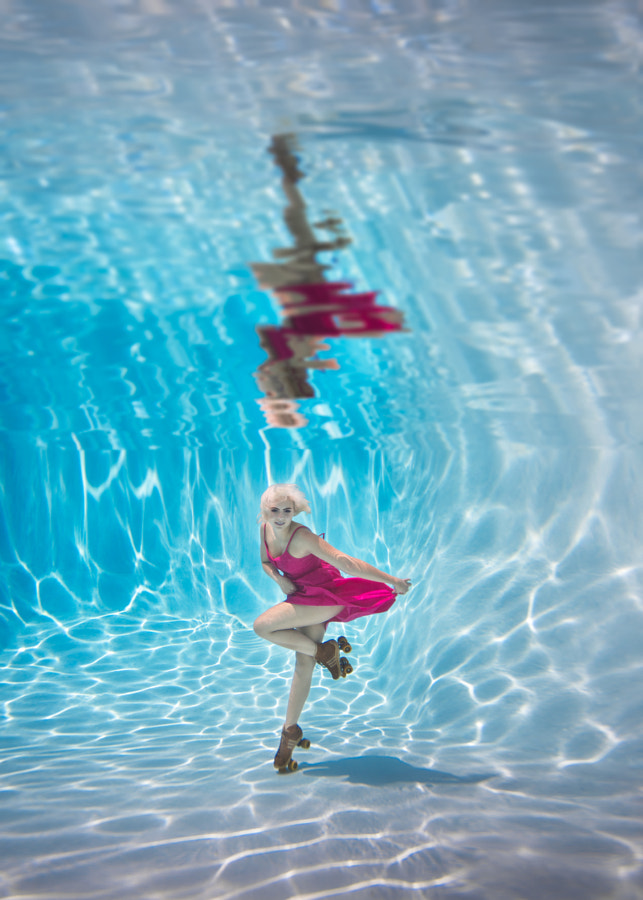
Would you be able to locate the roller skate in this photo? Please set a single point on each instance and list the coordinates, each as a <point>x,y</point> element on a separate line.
<point>328,656</point>
<point>290,738</point>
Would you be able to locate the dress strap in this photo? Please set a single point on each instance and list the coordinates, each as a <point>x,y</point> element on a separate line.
<point>265,540</point>
<point>291,537</point>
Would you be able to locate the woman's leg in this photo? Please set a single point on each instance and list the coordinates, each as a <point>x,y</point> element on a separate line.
<point>303,676</point>
<point>283,625</point>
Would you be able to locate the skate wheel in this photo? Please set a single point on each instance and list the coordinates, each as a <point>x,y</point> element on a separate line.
<point>304,743</point>
<point>292,765</point>
<point>344,645</point>
<point>345,667</point>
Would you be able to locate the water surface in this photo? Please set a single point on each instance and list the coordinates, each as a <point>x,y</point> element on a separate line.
<point>484,163</point>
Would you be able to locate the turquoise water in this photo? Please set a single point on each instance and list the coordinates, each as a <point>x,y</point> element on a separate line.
<point>485,162</point>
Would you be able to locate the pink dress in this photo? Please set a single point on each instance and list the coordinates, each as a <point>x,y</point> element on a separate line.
<point>320,584</point>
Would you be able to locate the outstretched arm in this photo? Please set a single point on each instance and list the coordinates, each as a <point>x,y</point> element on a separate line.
<point>307,542</point>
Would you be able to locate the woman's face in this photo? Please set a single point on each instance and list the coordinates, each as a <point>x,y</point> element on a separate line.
<point>280,513</point>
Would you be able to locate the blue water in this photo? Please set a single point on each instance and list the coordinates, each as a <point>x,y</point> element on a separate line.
<point>485,161</point>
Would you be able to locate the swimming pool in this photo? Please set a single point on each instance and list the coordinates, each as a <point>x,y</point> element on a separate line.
<point>485,164</point>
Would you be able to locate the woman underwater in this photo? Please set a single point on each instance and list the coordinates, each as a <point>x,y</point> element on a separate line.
<point>307,569</point>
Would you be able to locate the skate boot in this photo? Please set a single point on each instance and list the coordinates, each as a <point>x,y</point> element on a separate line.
<point>328,656</point>
<point>290,738</point>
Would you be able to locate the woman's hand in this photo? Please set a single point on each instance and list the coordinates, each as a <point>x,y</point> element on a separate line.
<point>401,585</point>
<point>287,585</point>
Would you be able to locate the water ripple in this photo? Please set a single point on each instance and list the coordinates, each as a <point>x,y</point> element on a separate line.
<point>487,743</point>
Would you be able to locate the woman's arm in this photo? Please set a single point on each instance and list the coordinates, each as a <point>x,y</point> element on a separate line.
<point>306,542</point>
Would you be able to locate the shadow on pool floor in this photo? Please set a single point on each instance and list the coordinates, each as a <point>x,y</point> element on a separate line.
<point>376,770</point>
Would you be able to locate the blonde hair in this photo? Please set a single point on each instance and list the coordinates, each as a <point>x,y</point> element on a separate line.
<point>283,492</point>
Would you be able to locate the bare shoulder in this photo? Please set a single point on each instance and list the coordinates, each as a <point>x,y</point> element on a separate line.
<point>303,542</point>
<point>312,543</point>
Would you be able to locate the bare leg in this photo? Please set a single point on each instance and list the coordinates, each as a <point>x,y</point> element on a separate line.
<point>283,624</point>
<point>302,677</point>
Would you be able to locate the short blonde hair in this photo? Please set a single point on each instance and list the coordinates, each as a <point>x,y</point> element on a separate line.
<point>283,492</point>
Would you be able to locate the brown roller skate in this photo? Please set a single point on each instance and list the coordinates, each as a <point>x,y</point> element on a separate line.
<point>290,738</point>
<point>328,656</point>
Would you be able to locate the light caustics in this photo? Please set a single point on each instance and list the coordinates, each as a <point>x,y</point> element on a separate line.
<point>485,438</point>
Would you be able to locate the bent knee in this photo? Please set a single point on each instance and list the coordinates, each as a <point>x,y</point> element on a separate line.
<point>261,626</point>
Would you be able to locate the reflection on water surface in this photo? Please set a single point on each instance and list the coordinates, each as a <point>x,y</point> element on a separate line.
<point>314,308</point>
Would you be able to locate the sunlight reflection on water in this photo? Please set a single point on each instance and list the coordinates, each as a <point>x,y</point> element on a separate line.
<point>486,744</point>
